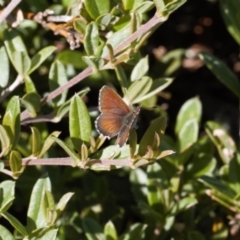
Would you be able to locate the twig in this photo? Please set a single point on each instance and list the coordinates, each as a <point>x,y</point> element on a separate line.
<point>8,9</point>
<point>15,84</point>
<point>69,162</point>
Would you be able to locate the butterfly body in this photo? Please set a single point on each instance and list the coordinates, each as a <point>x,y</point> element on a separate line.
<point>116,118</point>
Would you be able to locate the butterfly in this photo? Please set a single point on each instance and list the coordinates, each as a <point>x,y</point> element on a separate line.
<point>116,118</point>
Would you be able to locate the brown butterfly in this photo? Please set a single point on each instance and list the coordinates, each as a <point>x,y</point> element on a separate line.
<point>116,118</point>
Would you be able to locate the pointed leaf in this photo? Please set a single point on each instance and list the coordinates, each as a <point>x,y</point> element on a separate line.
<point>5,234</point>
<point>58,77</point>
<point>36,141</point>
<point>230,14</point>
<point>222,72</point>
<point>157,126</point>
<point>36,211</point>
<point>7,195</point>
<point>91,39</point>
<point>13,42</point>
<point>51,234</point>
<point>140,69</point>
<point>63,201</point>
<point>92,229</point>
<point>31,101</point>
<point>40,57</point>
<point>69,151</point>
<point>11,120</point>
<point>157,86</point>
<point>48,143</point>
<point>110,231</point>
<point>95,63</point>
<point>188,134</point>
<point>5,140</point>
<point>4,67</point>
<point>15,223</point>
<point>21,62</point>
<point>138,89</point>
<point>191,109</point>
<point>15,161</point>
<point>79,122</point>
<point>96,8</point>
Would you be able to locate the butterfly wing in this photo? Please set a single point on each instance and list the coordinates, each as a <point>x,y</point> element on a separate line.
<point>113,111</point>
<point>110,102</point>
<point>108,124</point>
<point>128,122</point>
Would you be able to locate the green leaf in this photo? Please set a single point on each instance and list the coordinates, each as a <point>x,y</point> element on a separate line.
<point>5,234</point>
<point>40,57</point>
<point>5,140</point>
<point>69,151</point>
<point>80,26</point>
<point>36,141</point>
<point>110,231</point>
<point>234,169</point>
<point>170,62</point>
<point>11,120</point>
<point>36,211</point>
<point>91,39</point>
<point>15,223</point>
<point>222,72</point>
<point>15,162</point>
<point>202,164</point>
<point>79,122</point>
<point>7,195</point>
<point>157,180</point>
<point>51,234</point>
<point>96,8</point>
<point>71,57</point>
<point>188,134</point>
<point>63,201</point>
<point>138,89</point>
<point>157,86</point>
<point>157,126</point>
<point>191,109</point>
<point>13,42</point>
<point>230,14</point>
<point>64,108</point>
<point>58,77</point>
<point>92,229</point>
<point>166,7</point>
<point>129,5</point>
<point>117,37</point>
<point>138,179</point>
<point>21,62</point>
<point>29,85</point>
<point>217,185</point>
<point>144,7</point>
<point>136,231</point>
<point>183,204</point>
<point>4,67</point>
<point>48,143</point>
<point>140,69</point>
<point>31,101</point>
<point>95,63</point>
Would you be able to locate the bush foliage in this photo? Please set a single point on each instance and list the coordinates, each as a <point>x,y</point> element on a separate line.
<point>59,178</point>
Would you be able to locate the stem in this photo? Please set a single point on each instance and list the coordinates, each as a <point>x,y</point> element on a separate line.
<point>69,162</point>
<point>15,84</point>
<point>8,9</point>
